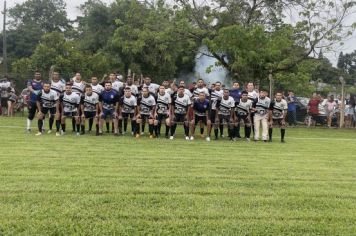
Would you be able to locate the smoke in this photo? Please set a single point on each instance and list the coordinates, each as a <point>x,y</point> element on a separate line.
<point>203,61</point>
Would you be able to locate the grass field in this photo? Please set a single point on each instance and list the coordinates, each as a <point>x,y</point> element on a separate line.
<point>119,185</point>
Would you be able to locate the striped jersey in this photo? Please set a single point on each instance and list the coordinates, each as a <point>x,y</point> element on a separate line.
<point>98,88</point>
<point>225,105</point>
<point>163,102</point>
<point>128,104</point>
<point>58,86</point>
<point>278,108</point>
<point>262,106</point>
<point>89,102</point>
<point>146,104</point>
<point>70,102</point>
<point>214,96</point>
<point>48,100</point>
<point>78,87</point>
<point>199,90</point>
<point>243,108</point>
<point>181,104</point>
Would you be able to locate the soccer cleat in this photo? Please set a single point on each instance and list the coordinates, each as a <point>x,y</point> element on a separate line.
<point>142,133</point>
<point>248,139</point>
<point>78,134</point>
<point>186,137</point>
<point>208,139</point>
<point>151,136</point>
<point>62,132</point>
<point>202,136</point>
<point>137,136</point>
<point>171,138</point>
<point>49,131</point>
<point>282,141</point>
<point>191,138</point>
<point>39,134</point>
<point>58,134</point>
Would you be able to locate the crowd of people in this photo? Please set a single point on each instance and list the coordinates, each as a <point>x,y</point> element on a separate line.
<point>8,97</point>
<point>112,103</point>
<point>115,103</point>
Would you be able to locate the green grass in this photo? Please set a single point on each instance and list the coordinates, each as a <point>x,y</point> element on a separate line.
<point>119,185</point>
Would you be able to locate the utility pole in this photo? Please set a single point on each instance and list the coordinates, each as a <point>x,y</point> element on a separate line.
<point>4,41</point>
<point>342,105</point>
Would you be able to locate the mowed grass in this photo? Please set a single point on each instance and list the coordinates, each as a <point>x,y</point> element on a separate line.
<point>119,185</point>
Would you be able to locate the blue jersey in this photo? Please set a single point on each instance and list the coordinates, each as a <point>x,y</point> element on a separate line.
<point>200,108</point>
<point>109,99</point>
<point>37,86</point>
<point>235,94</point>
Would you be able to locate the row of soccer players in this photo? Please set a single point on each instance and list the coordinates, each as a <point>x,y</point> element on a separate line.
<point>163,108</point>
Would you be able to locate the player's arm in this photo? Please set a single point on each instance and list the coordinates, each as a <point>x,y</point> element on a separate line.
<point>101,104</point>
<point>270,113</point>
<point>82,105</point>
<point>29,87</point>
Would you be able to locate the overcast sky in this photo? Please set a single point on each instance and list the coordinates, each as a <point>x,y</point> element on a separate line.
<point>73,12</point>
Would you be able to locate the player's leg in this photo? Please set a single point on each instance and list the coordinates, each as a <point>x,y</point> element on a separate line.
<point>247,123</point>
<point>270,130</point>
<point>264,128</point>
<point>150,122</point>
<point>168,125</point>
<point>31,114</point>
<point>82,122</point>
<point>256,121</point>
<point>174,126</point>
<point>138,124</point>
<point>41,117</point>
<point>282,125</point>
<point>192,126</point>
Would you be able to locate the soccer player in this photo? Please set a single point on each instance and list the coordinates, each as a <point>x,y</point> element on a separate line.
<point>117,85</point>
<point>235,93</point>
<point>147,109</point>
<point>108,106</point>
<point>242,113</point>
<point>152,87</point>
<point>89,104</point>
<point>225,108</point>
<point>261,107</point>
<point>201,108</point>
<point>200,88</point>
<point>78,87</point>
<point>179,109</point>
<point>162,110</point>
<point>58,86</point>
<point>47,101</point>
<point>128,109</point>
<point>69,102</point>
<point>278,113</point>
<point>34,86</point>
<point>215,94</point>
<point>98,89</point>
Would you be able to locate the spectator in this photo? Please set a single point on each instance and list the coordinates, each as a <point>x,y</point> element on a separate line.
<point>330,107</point>
<point>11,101</point>
<point>292,109</point>
<point>313,107</point>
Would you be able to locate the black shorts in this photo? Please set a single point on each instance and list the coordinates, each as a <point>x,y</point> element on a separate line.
<point>200,118</point>
<point>32,108</point>
<point>51,110</point>
<point>212,116</point>
<point>223,118</point>
<point>89,114</point>
<point>146,117</point>
<point>278,122</point>
<point>247,121</point>
<point>180,118</point>
<point>162,117</point>
<point>128,115</point>
<point>70,114</point>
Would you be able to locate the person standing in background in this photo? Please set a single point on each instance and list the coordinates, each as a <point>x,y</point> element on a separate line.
<point>292,109</point>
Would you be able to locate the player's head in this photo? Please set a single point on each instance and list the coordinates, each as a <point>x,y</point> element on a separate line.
<point>262,94</point>
<point>88,89</point>
<point>94,80</point>
<point>145,92</point>
<point>226,93</point>
<point>174,87</point>
<point>217,86</point>
<point>78,76</point>
<point>127,92</point>
<point>250,86</point>
<point>181,90</point>
<point>236,85</point>
<point>37,75</point>
<point>244,95</point>
<point>182,83</point>
<point>278,96</point>
<point>200,83</point>
<point>55,76</point>
<point>212,86</point>
<point>201,96</point>
<point>46,86</point>
<point>147,80</point>
<point>68,88</point>
<point>112,76</point>
<point>129,80</point>
<point>108,85</point>
<point>162,89</point>
<point>165,84</point>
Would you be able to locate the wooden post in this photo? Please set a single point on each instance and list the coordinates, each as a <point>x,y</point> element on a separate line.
<point>342,105</point>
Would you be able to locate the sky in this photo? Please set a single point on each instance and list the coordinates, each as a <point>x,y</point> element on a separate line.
<point>73,12</point>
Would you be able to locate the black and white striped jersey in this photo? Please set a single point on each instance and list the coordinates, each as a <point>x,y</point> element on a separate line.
<point>163,103</point>
<point>199,90</point>
<point>78,87</point>
<point>58,86</point>
<point>70,102</point>
<point>98,89</point>
<point>225,106</point>
<point>262,106</point>
<point>181,104</point>
<point>48,100</point>
<point>117,85</point>
<point>278,108</point>
<point>90,102</point>
<point>214,96</point>
<point>243,108</point>
<point>146,104</point>
<point>128,104</point>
